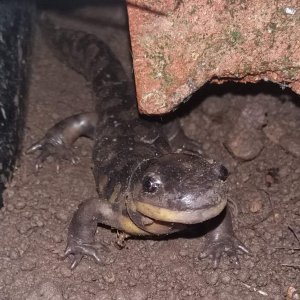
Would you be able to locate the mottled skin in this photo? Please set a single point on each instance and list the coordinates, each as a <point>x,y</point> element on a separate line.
<point>151,179</point>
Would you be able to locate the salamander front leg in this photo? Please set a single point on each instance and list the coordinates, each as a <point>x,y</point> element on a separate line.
<point>221,239</point>
<point>59,139</point>
<point>82,229</point>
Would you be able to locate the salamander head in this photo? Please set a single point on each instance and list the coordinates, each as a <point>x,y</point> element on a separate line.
<point>179,188</point>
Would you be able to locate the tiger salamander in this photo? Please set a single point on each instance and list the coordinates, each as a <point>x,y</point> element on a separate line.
<point>150,177</point>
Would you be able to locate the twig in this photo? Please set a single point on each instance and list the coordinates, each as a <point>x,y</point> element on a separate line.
<point>291,266</point>
<point>254,289</point>
<point>294,233</point>
<point>287,248</point>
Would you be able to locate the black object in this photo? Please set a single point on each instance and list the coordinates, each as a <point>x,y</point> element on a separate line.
<point>16,24</point>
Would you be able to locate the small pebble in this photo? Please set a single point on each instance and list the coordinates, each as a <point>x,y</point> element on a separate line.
<point>65,272</point>
<point>225,278</point>
<point>274,132</point>
<point>253,199</point>
<point>23,247</point>
<point>270,180</point>
<point>255,205</point>
<point>119,295</point>
<point>57,238</point>
<point>9,207</point>
<point>212,278</point>
<point>138,293</point>
<point>104,295</point>
<point>20,205</point>
<point>253,115</point>
<point>142,266</point>
<point>23,227</point>
<point>46,291</point>
<point>39,223</point>
<point>243,275</point>
<point>10,193</point>
<point>27,214</point>
<point>8,280</point>
<point>61,216</point>
<point>88,277</point>
<point>13,254</point>
<point>28,265</point>
<point>132,283</point>
<point>284,171</point>
<point>109,277</point>
<point>183,252</point>
<point>245,144</point>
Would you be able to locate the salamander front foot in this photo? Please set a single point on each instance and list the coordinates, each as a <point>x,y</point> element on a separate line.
<point>227,244</point>
<point>76,251</point>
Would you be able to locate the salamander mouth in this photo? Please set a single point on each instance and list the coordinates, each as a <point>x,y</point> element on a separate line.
<point>175,216</point>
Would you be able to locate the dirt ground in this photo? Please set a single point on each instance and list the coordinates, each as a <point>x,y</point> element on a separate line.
<point>253,130</point>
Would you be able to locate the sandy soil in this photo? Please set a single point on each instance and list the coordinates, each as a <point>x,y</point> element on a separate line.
<point>256,136</point>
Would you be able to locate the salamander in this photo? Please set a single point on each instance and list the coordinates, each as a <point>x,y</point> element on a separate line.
<point>150,177</point>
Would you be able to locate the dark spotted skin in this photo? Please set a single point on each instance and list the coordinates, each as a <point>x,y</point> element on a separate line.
<point>151,178</point>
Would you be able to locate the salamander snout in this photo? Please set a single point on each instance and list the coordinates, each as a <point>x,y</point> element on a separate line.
<point>222,172</point>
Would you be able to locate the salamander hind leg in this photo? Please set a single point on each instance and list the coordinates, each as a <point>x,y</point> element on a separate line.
<point>58,140</point>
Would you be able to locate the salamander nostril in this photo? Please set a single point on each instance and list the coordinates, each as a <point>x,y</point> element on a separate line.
<point>223,173</point>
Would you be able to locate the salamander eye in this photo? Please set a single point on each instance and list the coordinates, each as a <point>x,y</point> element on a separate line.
<point>151,184</point>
